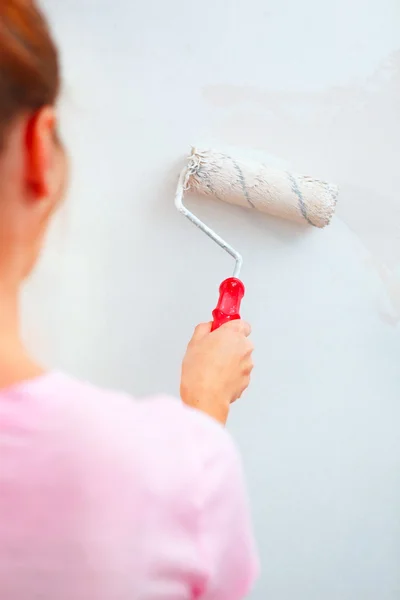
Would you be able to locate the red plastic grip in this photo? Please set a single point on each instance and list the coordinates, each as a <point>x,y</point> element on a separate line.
<point>231,293</point>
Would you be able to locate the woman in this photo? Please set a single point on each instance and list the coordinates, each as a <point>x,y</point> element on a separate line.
<point>102,497</point>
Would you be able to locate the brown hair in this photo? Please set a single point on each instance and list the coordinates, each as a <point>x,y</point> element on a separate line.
<point>29,64</point>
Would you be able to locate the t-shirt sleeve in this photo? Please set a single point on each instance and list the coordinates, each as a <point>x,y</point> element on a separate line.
<point>225,535</point>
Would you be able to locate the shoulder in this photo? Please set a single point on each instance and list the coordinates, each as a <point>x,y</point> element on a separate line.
<point>167,435</point>
<point>173,468</point>
<point>162,411</point>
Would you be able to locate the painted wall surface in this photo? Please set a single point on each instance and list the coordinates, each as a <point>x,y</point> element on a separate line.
<point>316,86</point>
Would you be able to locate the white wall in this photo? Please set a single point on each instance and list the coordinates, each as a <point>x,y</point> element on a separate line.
<point>316,85</point>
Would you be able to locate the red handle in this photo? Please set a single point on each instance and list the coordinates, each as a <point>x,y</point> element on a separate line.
<point>231,293</point>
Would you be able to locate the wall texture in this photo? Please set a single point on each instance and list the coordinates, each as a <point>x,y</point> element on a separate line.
<point>316,86</point>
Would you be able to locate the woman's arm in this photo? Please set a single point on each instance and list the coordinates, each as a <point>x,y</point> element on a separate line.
<point>225,541</point>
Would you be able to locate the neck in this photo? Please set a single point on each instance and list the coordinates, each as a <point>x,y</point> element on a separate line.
<point>9,315</point>
<point>15,364</point>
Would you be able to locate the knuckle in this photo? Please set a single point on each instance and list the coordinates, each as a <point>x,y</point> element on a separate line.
<point>247,350</point>
<point>248,369</point>
<point>245,385</point>
<point>236,326</point>
<point>239,326</point>
<point>201,329</point>
<point>247,328</point>
<point>250,346</point>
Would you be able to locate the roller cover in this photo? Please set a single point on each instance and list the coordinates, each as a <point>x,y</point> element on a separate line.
<point>257,186</point>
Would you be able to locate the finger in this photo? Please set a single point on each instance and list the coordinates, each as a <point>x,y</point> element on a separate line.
<point>248,367</point>
<point>249,347</point>
<point>201,331</point>
<point>245,385</point>
<point>239,326</point>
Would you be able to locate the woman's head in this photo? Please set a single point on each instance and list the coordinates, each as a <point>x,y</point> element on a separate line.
<point>32,161</point>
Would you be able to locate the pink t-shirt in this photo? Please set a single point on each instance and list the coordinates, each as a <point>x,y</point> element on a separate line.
<point>106,498</point>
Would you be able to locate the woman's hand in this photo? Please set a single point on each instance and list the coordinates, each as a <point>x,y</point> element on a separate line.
<point>216,368</point>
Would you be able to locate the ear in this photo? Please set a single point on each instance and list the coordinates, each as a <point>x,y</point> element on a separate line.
<point>40,148</point>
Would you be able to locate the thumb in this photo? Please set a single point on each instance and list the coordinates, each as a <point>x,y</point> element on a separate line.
<point>201,331</point>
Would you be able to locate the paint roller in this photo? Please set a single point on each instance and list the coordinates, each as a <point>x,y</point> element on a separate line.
<point>255,186</point>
